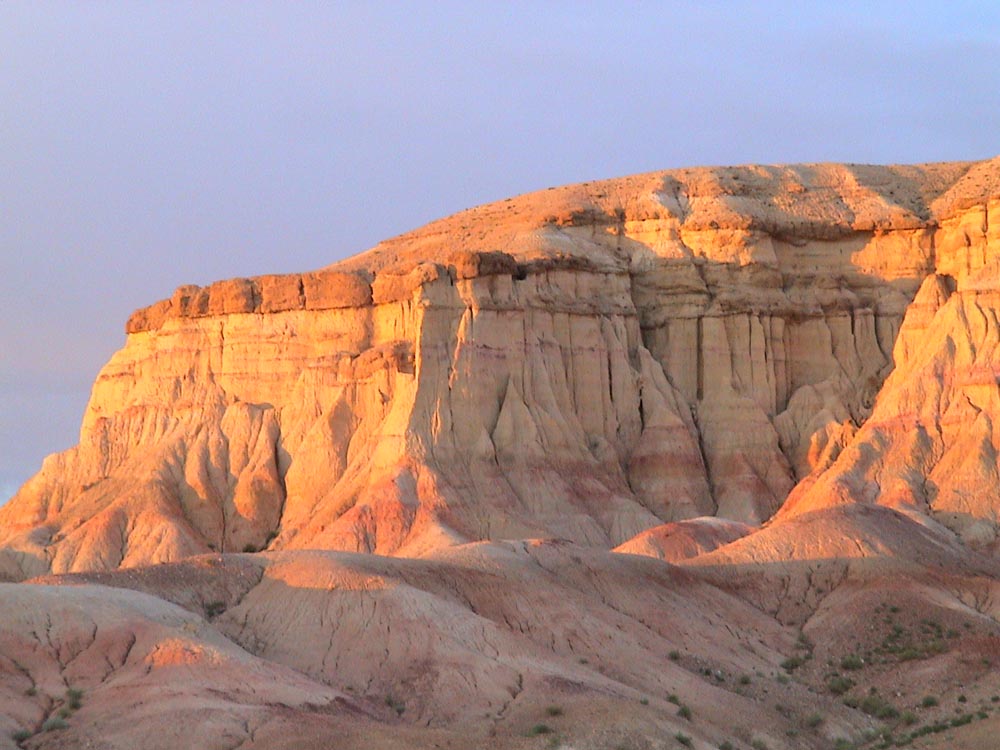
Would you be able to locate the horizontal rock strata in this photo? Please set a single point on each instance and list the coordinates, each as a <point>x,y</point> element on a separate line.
<point>585,362</point>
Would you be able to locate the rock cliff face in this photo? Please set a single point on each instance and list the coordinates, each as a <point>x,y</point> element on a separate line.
<point>586,363</point>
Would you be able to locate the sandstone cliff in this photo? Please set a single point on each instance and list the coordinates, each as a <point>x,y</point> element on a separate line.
<point>586,362</point>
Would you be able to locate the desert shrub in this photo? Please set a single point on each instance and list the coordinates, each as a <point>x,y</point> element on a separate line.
<point>554,710</point>
<point>21,735</point>
<point>877,706</point>
<point>74,698</point>
<point>644,701</point>
<point>683,739</point>
<point>929,701</point>
<point>396,705</point>
<point>674,655</point>
<point>726,745</point>
<point>744,679</point>
<point>53,723</point>
<point>909,718</point>
<point>791,664</point>
<point>852,661</point>
<point>214,609</point>
<point>672,698</point>
<point>684,712</point>
<point>539,729</point>
<point>814,720</point>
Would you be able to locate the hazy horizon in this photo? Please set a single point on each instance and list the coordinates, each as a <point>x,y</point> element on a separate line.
<point>151,145</point>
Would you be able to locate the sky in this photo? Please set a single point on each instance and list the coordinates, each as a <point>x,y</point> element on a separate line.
<point>144,145</point>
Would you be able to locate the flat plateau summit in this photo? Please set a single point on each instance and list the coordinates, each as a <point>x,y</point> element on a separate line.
<point>704,457</point>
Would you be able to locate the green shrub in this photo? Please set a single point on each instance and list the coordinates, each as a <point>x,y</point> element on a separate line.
<point>791,664</point>
<point>744,679</point>
<point>684,712</point>
<point>672,698</point>
<point>53,723</point>
<point>74,698</point>
<point>929,701</point>
<point>21,735</point>
<point>852,661</point>
<point>683,739</point>
<point>838,685</point>
<point>726,745</point>
<point>554,710</point>
<point>674,655</point>
<point>644,701</point>
<point>539,729</point>
<point>877,706</point>
<point>814,720</point>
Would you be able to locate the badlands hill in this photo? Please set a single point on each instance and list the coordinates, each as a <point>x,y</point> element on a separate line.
<point>694,457</point>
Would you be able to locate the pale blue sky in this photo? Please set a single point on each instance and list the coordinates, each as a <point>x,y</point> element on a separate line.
<point>144,145</point>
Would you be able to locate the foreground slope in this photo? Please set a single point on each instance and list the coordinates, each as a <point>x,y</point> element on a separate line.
<point>585,363</point>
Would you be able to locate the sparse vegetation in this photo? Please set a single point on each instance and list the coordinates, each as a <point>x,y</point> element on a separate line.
<point>674,655</point>
<point>644,701</point>
<point>791,664</point>
<point>214,609</point>
<point>814,720</point>
<point>54,723</point>
<point>21,735</point>
<point>555,710</point>
<point>396,705</point>
<point>31,692</point>
<point>74,698</point>
<point>684,712</point>
<point>683,739</point>
<point>838,684</point>
<point>929,701</point>
<point>672,698</point>
<point>852,661</point>
<point>726,745</point>
<point>758,744</point>
<point>539,729</point>
<point>744,679</point>
<point>877,706</point>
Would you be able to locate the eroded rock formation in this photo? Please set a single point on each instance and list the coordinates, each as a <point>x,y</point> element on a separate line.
<point>585,363</point>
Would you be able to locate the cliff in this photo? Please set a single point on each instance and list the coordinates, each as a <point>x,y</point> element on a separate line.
<point>585,363</point>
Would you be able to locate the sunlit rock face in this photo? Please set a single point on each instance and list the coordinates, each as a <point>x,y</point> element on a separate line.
<point>585,363</point>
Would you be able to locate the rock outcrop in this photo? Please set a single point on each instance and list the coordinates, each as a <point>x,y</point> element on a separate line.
<point>586,363</point>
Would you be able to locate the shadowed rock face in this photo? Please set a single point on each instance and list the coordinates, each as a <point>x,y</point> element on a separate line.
<point>586,363</point>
